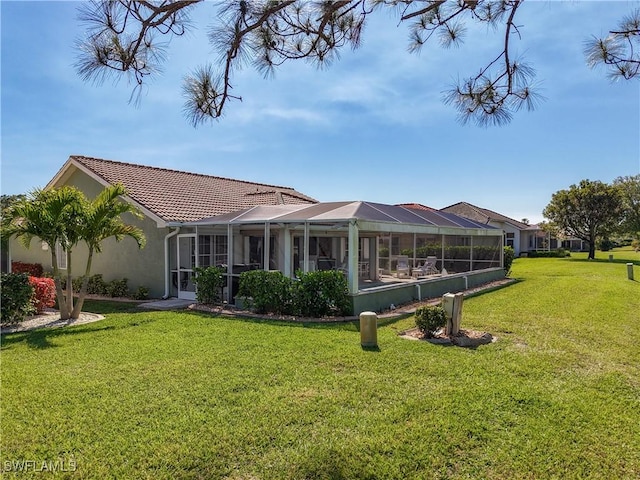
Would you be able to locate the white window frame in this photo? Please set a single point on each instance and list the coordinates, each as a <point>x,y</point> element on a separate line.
<point>62,257</point>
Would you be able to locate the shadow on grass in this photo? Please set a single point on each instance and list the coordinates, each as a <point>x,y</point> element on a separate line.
<point>44,337</point>
<point>370,348</point>
<point>605,260</point>
<point>41,339</point>
<point>347,325</point>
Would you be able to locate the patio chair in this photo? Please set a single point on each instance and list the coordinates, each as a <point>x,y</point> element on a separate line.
<point>427,268</point>
<point>402,267</point>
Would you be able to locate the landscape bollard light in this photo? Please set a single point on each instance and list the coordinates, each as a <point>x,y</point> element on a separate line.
<point>630,271</point>
<point>611,258</point>
<point>368,329</point>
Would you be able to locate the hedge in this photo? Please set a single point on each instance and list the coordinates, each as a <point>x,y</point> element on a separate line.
<point>15,301</point>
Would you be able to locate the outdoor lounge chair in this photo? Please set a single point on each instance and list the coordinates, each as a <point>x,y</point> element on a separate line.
<point>402,267</point>
<point>427,268</point>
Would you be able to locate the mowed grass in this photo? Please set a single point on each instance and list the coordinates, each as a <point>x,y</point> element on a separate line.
<point>185,395</point>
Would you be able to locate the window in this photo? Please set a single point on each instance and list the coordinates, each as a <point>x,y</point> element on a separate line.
<point>509,240</point>
<point>61,256</point>
<point>204,251</point>
<point>212,250</point>
<point>220,250</point>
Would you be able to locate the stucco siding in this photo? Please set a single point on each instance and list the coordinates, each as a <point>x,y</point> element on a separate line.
<point>142,267</point>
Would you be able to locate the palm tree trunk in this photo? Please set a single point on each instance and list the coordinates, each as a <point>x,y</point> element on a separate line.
<point>77,309</point>
<point>69,284</point>
<point>62,302</point>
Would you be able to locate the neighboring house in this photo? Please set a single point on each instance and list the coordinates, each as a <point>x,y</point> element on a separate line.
<point>165,197</point>
<point>521,236</point>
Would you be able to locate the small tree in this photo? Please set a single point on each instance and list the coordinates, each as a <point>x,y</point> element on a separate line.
<point>586,211</point>
<point>430,319</point>
<point>52,216</point>
<point>102,219</point>
<point>629,188</point>
<point>64,216</point>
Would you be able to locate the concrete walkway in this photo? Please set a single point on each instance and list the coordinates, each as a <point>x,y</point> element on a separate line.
<point>168,304</point>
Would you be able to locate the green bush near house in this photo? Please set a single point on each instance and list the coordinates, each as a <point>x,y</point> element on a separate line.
<point>509,254</point>
<point>97,285</point>
<point>322,293</point>
<point>313,294</point>
<point>118,288</point>
<point>142,293</point>
<point>209,282</point>
<point>15,301</point>
<point>267,292</point>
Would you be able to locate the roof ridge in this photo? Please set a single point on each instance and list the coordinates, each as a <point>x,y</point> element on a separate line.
<point>504,216</point>
<point>172,170</point>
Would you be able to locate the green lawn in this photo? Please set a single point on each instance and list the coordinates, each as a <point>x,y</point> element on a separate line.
<point>185,395</point>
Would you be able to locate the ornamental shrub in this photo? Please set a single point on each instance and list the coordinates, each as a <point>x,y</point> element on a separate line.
<point>606,244</point>
<point>118,288</point>
<point>142,293</point>
<point>312,294</point>
<point>76,283</point>
<point>97,285</point>
<point>32,269</point>
<point>44,293</point>
<point>267,291</point>
<point>209,282</point>
<point>430,319</point>
<point>15,301</point>
<point>322,293</point>
<point>509,255</point>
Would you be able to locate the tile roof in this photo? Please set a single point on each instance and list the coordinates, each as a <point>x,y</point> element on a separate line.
<point>177,196</point>
<point>415,206</point>
<point>482,215</point>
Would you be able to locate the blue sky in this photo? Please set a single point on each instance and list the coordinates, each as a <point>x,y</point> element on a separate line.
<point>371,127</point>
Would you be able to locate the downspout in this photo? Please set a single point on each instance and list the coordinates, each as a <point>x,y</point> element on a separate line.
<point>167,267</point>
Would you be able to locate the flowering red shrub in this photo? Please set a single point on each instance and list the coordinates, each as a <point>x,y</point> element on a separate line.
<point>33,269</point>
<point>44,293</point>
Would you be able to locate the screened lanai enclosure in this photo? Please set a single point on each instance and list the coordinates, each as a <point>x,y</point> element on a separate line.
<point>383,250</point>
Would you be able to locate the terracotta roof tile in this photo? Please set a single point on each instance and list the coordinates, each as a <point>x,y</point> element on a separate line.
<point>482,215</point>
<point>183,196</point>
<point>415,206</point>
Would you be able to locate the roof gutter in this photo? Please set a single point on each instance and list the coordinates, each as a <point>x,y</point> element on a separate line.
<point>167,269</point>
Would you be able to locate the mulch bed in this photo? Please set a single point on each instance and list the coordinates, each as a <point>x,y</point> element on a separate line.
<point>464,338</point>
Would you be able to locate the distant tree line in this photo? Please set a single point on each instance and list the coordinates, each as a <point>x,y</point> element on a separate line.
<point>593,210</point>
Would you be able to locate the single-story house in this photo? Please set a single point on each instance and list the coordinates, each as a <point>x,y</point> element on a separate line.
<point>521,236</point>
<point>165,197</point>
<point>193,220</point>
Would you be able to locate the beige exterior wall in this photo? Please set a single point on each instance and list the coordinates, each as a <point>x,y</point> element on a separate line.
<point>117,259</point>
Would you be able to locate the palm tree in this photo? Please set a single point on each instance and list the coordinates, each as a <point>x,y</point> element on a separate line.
<point>52,216</point>
<point>64,216</point>
<point>101,219</point>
